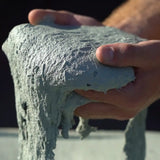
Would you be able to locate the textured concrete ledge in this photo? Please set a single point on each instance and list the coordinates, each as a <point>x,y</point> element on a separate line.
<point>102,145</point>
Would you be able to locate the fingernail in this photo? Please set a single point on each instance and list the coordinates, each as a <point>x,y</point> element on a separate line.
<point>107,54</point>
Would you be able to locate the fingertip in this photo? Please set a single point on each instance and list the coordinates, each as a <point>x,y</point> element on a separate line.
<point>32,16</point>
<point>35,16</point>
<point>105,54</point>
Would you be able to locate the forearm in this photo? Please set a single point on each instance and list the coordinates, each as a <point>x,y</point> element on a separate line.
<point>140,17</point>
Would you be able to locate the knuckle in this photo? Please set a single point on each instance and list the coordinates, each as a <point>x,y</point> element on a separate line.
<point>125,53</point>
<point>128,48</point>
<point>129,51</point>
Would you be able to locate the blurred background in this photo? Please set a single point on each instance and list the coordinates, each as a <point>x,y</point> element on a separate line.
<point>15,12</point>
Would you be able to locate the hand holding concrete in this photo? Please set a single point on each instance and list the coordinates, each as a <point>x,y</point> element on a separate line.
<point>126,102</point>
<point>144,57</point>
<point>45,82</point>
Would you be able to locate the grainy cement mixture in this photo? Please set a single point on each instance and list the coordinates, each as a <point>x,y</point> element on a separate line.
<point>48,62</point>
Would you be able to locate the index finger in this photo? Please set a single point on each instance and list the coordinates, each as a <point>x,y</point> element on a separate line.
<point>60,17</point>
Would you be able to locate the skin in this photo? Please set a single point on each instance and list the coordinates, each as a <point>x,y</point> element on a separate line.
<point>140,17</point>
<point>144,57</point>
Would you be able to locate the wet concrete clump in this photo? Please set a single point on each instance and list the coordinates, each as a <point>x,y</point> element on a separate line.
<point>48,62</point>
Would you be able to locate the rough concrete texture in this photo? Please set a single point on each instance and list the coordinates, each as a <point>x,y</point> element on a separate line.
<point>48,62</point>
<point>135,143</point>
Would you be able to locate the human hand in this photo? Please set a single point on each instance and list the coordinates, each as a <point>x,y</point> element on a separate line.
<point>61,17</point>
<point>121,103</point>
<point>126,102</point>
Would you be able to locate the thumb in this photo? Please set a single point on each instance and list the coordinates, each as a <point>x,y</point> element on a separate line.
<point>142,55</point>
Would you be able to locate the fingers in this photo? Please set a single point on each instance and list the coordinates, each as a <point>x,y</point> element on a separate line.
<point>103,111</point>
<point>59,17</point>
<point>133,97</point>
<point>122,98</point>
<point>37,15</point>
<point>143,55</point>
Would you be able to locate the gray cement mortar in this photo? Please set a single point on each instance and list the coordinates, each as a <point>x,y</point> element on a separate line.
<point>48,62</point>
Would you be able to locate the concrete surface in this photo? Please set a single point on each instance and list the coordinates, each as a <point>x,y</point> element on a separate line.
<point>100,145</point>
